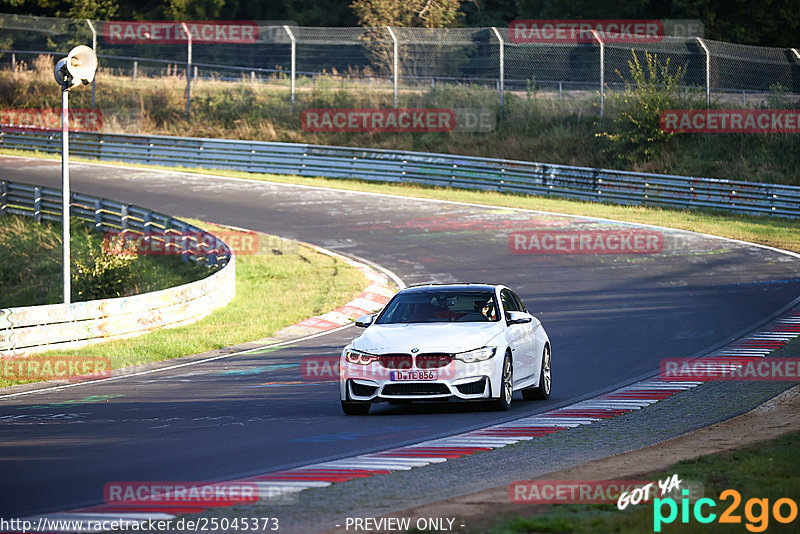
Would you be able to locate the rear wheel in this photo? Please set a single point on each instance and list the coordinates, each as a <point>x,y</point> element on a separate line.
<point>542,391</point>
<point>355,408</point>
<point>506,385</point>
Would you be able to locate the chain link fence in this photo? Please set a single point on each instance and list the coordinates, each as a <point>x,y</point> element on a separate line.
<point>406,60</point>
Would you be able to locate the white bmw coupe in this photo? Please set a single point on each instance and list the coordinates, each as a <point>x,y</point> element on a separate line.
<point>446,342</point>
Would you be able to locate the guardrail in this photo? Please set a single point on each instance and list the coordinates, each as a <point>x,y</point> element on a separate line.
<point>29,329</point>
<point>467,172</point>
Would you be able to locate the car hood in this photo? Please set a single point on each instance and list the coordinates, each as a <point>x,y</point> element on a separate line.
<point>427,337</point>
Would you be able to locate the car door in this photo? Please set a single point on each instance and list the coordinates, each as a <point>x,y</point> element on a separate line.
<point>536,340</point>
<point>520,338</point>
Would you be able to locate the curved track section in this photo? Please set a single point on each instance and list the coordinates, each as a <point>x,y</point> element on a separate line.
<point>611,319</point>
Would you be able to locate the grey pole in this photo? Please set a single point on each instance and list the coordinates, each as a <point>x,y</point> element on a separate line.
<point>294,59</point>
<point>94,49</point>
<point>502,67</point>
<point>65,196</point>
<point>602,73</point>
<point>708,71</point>
<point>394,63</point>
<point>188,70</point>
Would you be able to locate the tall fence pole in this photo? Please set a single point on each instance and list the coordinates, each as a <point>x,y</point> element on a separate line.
<point>602,73</point>
<point>502,67</point>
<point>708,70</point>
<point>294,60</point>
<point>796,53</point>
<point>188,70</point>
<point>94,49</point>
<point>394,63</point>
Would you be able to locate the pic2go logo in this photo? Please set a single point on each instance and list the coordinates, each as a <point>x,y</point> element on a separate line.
<point>756,511</point>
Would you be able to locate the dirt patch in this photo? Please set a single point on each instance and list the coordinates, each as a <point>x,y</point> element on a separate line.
<point>778,416</point>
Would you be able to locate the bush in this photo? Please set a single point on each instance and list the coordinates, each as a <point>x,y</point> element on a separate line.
<point>99,271</point>
<point>652,88</point>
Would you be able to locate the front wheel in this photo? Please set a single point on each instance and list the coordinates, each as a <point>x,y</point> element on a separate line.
<point>355,408</point>
<point>506,386</point>
<point>542,391</point>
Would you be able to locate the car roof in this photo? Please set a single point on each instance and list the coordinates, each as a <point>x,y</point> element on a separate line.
<point>424,288</point>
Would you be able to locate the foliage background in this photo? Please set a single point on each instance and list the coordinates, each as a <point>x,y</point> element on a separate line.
<point>755,22</point>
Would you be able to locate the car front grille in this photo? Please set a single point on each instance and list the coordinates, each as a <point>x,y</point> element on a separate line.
<point>396,361</point>
<point>433,360</point>
<point>417,388</point>
<point>428,360</point>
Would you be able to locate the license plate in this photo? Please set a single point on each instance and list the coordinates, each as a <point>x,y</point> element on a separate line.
<point>401,376</point>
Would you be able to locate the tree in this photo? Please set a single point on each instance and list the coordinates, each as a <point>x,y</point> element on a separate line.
<point>426,13</point>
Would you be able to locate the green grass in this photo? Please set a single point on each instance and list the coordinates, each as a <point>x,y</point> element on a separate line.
<point>534,126</point>
<point>30,273</point>
<point>284,284</point>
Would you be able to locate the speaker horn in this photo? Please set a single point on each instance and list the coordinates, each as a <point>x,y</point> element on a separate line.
<point>79,66</point>
<point>82,63</point>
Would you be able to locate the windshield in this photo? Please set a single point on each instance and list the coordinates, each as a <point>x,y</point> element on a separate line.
<point>440,307</point>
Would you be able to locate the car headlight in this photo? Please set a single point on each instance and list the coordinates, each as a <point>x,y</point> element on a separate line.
<point>360,358</point>
<point>477,355</point>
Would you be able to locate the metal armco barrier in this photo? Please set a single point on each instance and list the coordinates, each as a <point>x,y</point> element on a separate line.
<point>31,329</point>
<point>446,170</point>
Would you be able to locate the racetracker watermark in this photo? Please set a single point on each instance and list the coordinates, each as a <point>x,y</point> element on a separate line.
<point>588,491</point>
<point>160,32</point>
<point>55,368</point>
<point>393,367</point>
<point>180,493</point>
<point>25,120</point>
<point>741,369</point>
<point>174,243</point>
<point>377,120</point>
<point>730,121</point>
<point>584,31</point>
<point>607,30</point>
<point>632,241</point>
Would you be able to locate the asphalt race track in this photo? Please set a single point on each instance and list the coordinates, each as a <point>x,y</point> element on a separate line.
<point>611,318</point>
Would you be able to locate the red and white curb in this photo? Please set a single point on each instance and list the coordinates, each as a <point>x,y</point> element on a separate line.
<point>758,344</point>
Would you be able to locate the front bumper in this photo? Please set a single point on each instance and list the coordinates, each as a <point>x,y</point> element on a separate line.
<point>457,381</point>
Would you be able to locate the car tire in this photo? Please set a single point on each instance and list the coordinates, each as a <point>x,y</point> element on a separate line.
<point>355,408</point>
<point>506,386</point>
<point>541,391</point>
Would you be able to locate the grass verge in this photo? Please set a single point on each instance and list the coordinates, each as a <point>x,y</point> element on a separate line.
<point>283,284</point>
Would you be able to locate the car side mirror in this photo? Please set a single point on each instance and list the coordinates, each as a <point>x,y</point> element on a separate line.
<point>517,317</point>
<point>365,320</point>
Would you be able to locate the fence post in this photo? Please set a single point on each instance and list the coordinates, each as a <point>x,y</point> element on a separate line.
<point>602,73</point>
<point>94,49</point>
<point>294,60</point>
<point>796,53</point>
<point>502,67</point>
<point>37,204</point>
<point>13,61</point>
<point>708,70</point>
<point>135,68</point>
<point>394,63</point>
<point>3,197</point>
<point>188,70</point>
